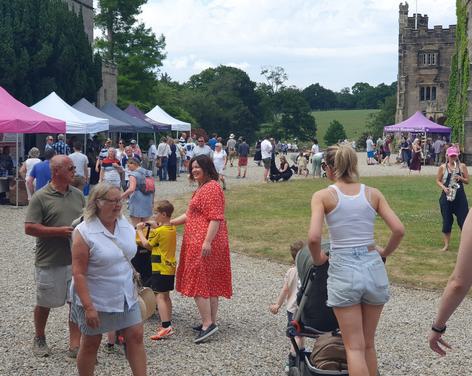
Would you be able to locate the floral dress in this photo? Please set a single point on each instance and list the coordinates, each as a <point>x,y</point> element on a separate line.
<point>205,276</point>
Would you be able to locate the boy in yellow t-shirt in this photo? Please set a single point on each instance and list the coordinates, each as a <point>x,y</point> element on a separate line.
<point>162,244</point>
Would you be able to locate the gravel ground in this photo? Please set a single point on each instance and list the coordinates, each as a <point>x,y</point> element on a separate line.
<point>250,342</point>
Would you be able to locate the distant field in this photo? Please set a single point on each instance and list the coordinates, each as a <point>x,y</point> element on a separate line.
<point>354,122</point>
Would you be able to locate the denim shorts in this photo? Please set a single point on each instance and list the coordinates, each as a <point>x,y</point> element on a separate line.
<point>356,276</point>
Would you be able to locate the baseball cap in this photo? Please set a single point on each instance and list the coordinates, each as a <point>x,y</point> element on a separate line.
<point>452,151</point>
<point>132,142</point>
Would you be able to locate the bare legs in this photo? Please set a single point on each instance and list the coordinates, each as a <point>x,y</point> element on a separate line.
<point>135,353</point>
<point>41,315</point>
<point>358,324</point>
<point>447,239</point>
<point>208,309</point>
<point>164,306</point>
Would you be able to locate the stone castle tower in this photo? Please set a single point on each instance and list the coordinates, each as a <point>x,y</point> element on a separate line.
<point>424,65</point>
<point>109,91</point>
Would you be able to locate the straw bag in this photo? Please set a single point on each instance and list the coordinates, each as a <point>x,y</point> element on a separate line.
<point>146,299</point>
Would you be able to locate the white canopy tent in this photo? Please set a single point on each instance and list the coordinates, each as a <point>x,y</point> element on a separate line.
<point>76,122</point>
<point>159,115</point>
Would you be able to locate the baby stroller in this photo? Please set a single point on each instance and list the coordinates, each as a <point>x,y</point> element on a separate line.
<point>313,317</point>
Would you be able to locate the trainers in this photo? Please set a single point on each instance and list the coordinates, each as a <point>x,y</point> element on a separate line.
<point>163,333</point>
<point>205,334</point>
<point>40,347</point>
<point>197,328</point>
<point>72,353</point>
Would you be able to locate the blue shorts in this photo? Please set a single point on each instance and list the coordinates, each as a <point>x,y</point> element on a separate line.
<point>370,154</point>
<point>356,276</point>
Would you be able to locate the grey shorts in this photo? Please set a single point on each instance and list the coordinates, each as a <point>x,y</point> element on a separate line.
<point>266,162</point>
<point>52,285</point>
<point>356,276</point>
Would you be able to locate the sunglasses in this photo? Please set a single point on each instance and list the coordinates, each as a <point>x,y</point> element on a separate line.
<point>120,143</point>
<point>71,168</point>
<point>201,141</point>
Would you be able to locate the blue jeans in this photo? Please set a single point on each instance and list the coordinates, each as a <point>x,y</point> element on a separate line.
<point>163,169</point>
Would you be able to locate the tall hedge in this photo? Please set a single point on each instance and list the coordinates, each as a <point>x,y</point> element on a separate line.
<point>44,48</point>
<point>459,78</point>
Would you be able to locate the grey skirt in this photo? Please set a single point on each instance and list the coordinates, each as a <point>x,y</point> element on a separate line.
<point>109,321</point>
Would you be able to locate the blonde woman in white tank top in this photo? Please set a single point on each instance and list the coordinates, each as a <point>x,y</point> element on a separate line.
<point>357,280</point>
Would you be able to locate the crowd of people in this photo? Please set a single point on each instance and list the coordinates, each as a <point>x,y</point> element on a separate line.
<point>86,250</point>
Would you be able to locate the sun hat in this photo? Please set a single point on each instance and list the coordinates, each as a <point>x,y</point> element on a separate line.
<point>231,135</point>
<point>452,151</point>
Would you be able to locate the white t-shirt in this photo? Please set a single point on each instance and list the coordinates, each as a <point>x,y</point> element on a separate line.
<point>163,150</point>
<point>152,152</point>
<point>80,162</point>
<point>266,149</point>
<point>369,144</point>
<point>219,160</point>
<point>315,149</point>
<point>29,163</point>
<point>205,150</point>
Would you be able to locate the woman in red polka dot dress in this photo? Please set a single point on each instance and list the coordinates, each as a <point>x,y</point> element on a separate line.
<point>204,270</point>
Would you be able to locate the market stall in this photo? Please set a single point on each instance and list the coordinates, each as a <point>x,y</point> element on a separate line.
<point>162,117</point>
<point>16,118</point>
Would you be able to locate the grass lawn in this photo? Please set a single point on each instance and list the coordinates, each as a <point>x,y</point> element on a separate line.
<point>264,219</point>
<point>354,122</point>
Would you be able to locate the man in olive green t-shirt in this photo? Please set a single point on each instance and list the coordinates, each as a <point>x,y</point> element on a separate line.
<point>50,214</point>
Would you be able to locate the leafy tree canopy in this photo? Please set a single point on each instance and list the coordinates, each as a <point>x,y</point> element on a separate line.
<point>334,133</point>
<point>44,48</point>
<point>223,100</point>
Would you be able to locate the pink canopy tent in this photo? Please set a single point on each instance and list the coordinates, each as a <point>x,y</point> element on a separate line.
<point>17,118</point>
<point>417,123</point>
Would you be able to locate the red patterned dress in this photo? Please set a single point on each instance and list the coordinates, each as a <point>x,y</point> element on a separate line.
<point>205,276</point>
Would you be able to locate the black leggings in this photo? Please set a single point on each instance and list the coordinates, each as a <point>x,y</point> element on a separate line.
<point>459,207</point>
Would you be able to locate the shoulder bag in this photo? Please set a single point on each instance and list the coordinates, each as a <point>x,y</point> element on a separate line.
<point>146,299</point>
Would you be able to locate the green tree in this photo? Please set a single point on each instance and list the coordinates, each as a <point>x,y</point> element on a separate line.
<point>134,48</point>
<point>386,116</point>
<point>275,77</point>
<point>44,48</point>
<point>293,114</point>
<point>319,98</point>
<point>334,133</point>
<point>223,100</point>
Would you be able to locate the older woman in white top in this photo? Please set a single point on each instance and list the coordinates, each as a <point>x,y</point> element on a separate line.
<point>219,160</point>
<point>27,166</point>
<point>357,280</point>
<point>104,298</point>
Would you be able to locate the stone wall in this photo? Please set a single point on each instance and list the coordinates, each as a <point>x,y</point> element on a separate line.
<point>424,61</point>
<point>108,92</point>
<point>87,12</point>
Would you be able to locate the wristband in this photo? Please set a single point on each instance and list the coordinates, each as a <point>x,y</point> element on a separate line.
<point>438,330</point>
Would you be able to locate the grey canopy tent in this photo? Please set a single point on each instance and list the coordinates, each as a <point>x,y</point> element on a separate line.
<point>116,125</point>
<point>139,126</point>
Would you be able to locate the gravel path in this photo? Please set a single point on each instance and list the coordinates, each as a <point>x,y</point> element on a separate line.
<point>250,342</point>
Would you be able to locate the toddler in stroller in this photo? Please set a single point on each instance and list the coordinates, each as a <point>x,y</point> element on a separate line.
<point>313,317</point>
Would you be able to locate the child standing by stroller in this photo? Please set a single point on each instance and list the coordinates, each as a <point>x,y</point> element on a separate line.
<point>288,294</point>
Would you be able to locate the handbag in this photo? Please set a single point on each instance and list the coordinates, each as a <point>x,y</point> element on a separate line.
<point>146,299</point>
<point>158,162</point>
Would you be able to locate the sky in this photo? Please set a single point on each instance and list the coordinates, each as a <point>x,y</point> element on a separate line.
<point>334,42</point>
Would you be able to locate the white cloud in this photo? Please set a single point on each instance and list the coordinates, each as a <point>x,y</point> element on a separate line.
<point>347,40</point>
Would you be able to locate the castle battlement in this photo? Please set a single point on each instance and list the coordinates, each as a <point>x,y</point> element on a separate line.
<point>424,65</point>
